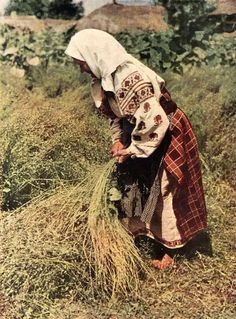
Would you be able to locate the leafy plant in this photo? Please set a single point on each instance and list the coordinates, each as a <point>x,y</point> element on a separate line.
<point>194,34</point>
<point>26,50</point>
<point>57,9</point>
<point>39,8</point>
<point>187,18</point>
<point>163,51</point>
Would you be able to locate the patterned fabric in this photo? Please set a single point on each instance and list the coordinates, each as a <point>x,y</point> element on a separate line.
<point>162,226</point>
<point>133,91</point>
<point>182,161</point>
<point>137,102</point>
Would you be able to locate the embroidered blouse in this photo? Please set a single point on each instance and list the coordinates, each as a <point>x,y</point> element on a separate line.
<point>135,101</point>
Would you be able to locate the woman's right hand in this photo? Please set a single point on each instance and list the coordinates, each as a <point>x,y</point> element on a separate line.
<point>116,147</point>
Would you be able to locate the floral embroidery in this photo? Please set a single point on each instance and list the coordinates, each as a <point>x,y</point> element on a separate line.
<point>121,95</point>
<point>137,95</point>
<point>146,107</point>
<point>157,120</point>
<point>131,107</point>
<point>145,92</point>
<point>133,91</point>
<point>127,84</point>
<point>137,76</point>
<point>141,126</point>
<point>153,136</point>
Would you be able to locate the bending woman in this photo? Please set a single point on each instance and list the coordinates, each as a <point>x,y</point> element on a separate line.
<point>159,172</point>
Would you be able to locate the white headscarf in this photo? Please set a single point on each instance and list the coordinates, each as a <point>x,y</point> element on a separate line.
<point>103,54</point>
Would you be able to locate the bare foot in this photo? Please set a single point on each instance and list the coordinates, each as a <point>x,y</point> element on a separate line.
<point>165,263</point>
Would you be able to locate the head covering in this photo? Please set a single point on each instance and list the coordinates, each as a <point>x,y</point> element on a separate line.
<point>103,54</point>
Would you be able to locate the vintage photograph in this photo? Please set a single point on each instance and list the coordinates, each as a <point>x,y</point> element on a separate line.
<point>118,159</point>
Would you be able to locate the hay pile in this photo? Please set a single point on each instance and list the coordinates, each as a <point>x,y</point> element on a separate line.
<point>70,244</point>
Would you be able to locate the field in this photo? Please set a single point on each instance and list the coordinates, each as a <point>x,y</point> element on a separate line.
<point>54,144</point>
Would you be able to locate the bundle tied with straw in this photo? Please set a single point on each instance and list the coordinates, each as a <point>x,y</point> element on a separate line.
<point>70,243</point>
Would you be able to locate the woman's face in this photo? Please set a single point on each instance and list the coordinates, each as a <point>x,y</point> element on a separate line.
<point>83,67</point>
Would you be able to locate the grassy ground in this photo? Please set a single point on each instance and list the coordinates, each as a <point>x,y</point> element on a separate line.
<point>50,137</point>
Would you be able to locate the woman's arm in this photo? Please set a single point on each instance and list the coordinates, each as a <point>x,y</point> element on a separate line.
<point>115,129</point>
<point>151,124</point>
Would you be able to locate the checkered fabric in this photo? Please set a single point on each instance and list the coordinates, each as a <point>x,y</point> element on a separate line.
<point>182,162</point>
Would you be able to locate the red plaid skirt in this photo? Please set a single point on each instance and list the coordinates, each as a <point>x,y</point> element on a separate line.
<point>181,160</point>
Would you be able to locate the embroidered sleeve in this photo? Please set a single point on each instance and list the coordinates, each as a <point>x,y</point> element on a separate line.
<point>140,106</point>
<point>115,129</point>
<point>150,128</point>
<point>133,91</point>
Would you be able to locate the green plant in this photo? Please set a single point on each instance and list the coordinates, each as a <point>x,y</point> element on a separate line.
<point>44,272</point>
<point>26,50</point>
<point>70,244</point>
<point>164,51</point>
<point>56,9</point>
<point>189,20</point>
<point>191,40</point>
<point>65,9</point>
<point>56,144</point>
<point>28,7</point>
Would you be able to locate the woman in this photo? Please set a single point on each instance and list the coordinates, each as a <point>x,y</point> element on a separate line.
<point>159,170</point>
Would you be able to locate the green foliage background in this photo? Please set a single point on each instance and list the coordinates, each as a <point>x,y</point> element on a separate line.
<point>56,9</point>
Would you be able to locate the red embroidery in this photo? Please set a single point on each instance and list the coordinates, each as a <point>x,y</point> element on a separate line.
<point>127,83</point>
<point>153,136</point>
<point>146,107</point>
<point>157,120</point>
<point>145,93</point>
<point>131,107</point>
<point>134,91</point>
<point>121,95</point>
<point>141,126</point>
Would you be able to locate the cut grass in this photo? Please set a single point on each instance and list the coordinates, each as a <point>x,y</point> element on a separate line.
<point>53,272</point>
<point>69,245</point>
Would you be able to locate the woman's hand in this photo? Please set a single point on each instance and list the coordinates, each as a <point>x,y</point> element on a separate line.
<point>123,155</point>
<point>119,150</point>
<point>116,147</point>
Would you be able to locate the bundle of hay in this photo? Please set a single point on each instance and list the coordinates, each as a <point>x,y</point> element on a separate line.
<point>70,244</point>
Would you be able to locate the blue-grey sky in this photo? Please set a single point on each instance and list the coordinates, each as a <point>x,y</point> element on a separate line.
<point>91,5</point>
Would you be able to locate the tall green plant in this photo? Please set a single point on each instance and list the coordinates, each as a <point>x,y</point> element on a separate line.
<point>189,19</point>
<point>191,39</point>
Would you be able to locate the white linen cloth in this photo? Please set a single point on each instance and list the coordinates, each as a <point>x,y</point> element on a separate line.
<point>113,67</point>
